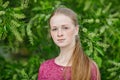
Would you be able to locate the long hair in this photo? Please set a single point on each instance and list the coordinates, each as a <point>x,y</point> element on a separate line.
<point>80,69</point>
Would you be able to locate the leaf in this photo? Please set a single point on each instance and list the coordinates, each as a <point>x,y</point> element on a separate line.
<point>98,60</point>
<point>29,26</point>
<point>99,50</point>
<point>5,4</point>
<point>107,8</point>
<point>18,16</point>
<point>18,8</point>
<point>23,72</point>
<point>0,21</point>
<point>113,69</point>
<point>113,74</point>
<point>1,32</point>
<point>24,75</point>
<point>98,12</point>
<point>34,76</point>
<point>14,77</point>
<point>85,30</point>
<point>87,5</point>
<point>114,63</point>
<point>16,32</point>
<point>15,23</point>
<point>2,13</point>
<point>1,2</point>
<point>88,20</point>
<point>36,9</point>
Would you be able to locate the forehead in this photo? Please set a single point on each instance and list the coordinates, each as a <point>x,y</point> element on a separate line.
<point>60,19</point>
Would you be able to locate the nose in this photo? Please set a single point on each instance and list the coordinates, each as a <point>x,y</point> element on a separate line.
<point>59,33</point>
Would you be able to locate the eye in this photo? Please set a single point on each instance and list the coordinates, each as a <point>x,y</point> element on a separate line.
<point>65,27</point>
<point>54,29</point>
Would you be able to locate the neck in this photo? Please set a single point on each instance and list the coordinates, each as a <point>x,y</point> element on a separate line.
<point>65,56</point>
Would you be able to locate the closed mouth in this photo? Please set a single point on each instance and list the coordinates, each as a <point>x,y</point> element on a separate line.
<point>60,40</point>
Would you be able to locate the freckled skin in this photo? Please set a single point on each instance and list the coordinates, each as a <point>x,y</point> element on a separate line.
<point>63,30</point>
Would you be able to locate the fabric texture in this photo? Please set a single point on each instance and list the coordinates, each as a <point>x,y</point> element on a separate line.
<point>49,70</point>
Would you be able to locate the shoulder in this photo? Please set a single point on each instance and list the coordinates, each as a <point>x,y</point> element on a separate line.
<point>95,73</point>
<point>93,68</point>
<point>47,63</point>
<point>45,67</point>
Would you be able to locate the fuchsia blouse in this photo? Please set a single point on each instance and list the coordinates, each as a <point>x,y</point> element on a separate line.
<point>49,70</point>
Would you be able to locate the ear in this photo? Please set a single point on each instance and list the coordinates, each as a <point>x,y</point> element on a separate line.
<point>76,29</point>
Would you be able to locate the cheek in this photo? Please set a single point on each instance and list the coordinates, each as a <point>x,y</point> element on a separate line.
<point>71,33</point>
<point>53,35</point>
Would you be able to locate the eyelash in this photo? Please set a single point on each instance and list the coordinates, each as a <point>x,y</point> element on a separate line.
<point>65,27</point>
<point>54,29</point>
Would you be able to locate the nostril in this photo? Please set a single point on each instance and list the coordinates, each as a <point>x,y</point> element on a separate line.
<point>59,33</point>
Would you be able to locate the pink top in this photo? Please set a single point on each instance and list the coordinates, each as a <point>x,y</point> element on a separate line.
<point>49,70</point>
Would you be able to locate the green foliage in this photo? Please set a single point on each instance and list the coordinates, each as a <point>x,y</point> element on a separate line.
<point>23,70</point>
<point>11,25</point>
<point>24,29</point>
<point>115,70</point>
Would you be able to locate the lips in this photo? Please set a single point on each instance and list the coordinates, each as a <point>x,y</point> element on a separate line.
<point>60,40</point>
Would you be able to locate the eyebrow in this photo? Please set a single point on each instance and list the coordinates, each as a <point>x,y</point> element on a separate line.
<point>62,25</point>
<point>65,25</point>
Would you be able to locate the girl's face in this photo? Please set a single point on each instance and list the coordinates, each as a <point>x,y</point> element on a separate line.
<point>63,31</point>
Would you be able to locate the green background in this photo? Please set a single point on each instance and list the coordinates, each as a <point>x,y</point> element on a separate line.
<point>25,41</point>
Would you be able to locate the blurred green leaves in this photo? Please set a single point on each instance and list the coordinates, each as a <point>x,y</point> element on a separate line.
<point>24,29</point>
<point>23,70</point>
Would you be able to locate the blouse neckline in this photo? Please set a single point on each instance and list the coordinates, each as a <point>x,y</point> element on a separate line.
<point>60,65</point>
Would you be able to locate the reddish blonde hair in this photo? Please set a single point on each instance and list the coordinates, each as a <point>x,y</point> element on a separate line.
<point>81,64</point>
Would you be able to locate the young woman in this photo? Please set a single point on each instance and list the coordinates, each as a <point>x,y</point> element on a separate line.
<point>71,63</point>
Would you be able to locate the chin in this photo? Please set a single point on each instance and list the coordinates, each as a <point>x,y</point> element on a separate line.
<point>61,45</point>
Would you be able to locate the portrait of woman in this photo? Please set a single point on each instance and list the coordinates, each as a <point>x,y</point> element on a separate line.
<point>71,63</point>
